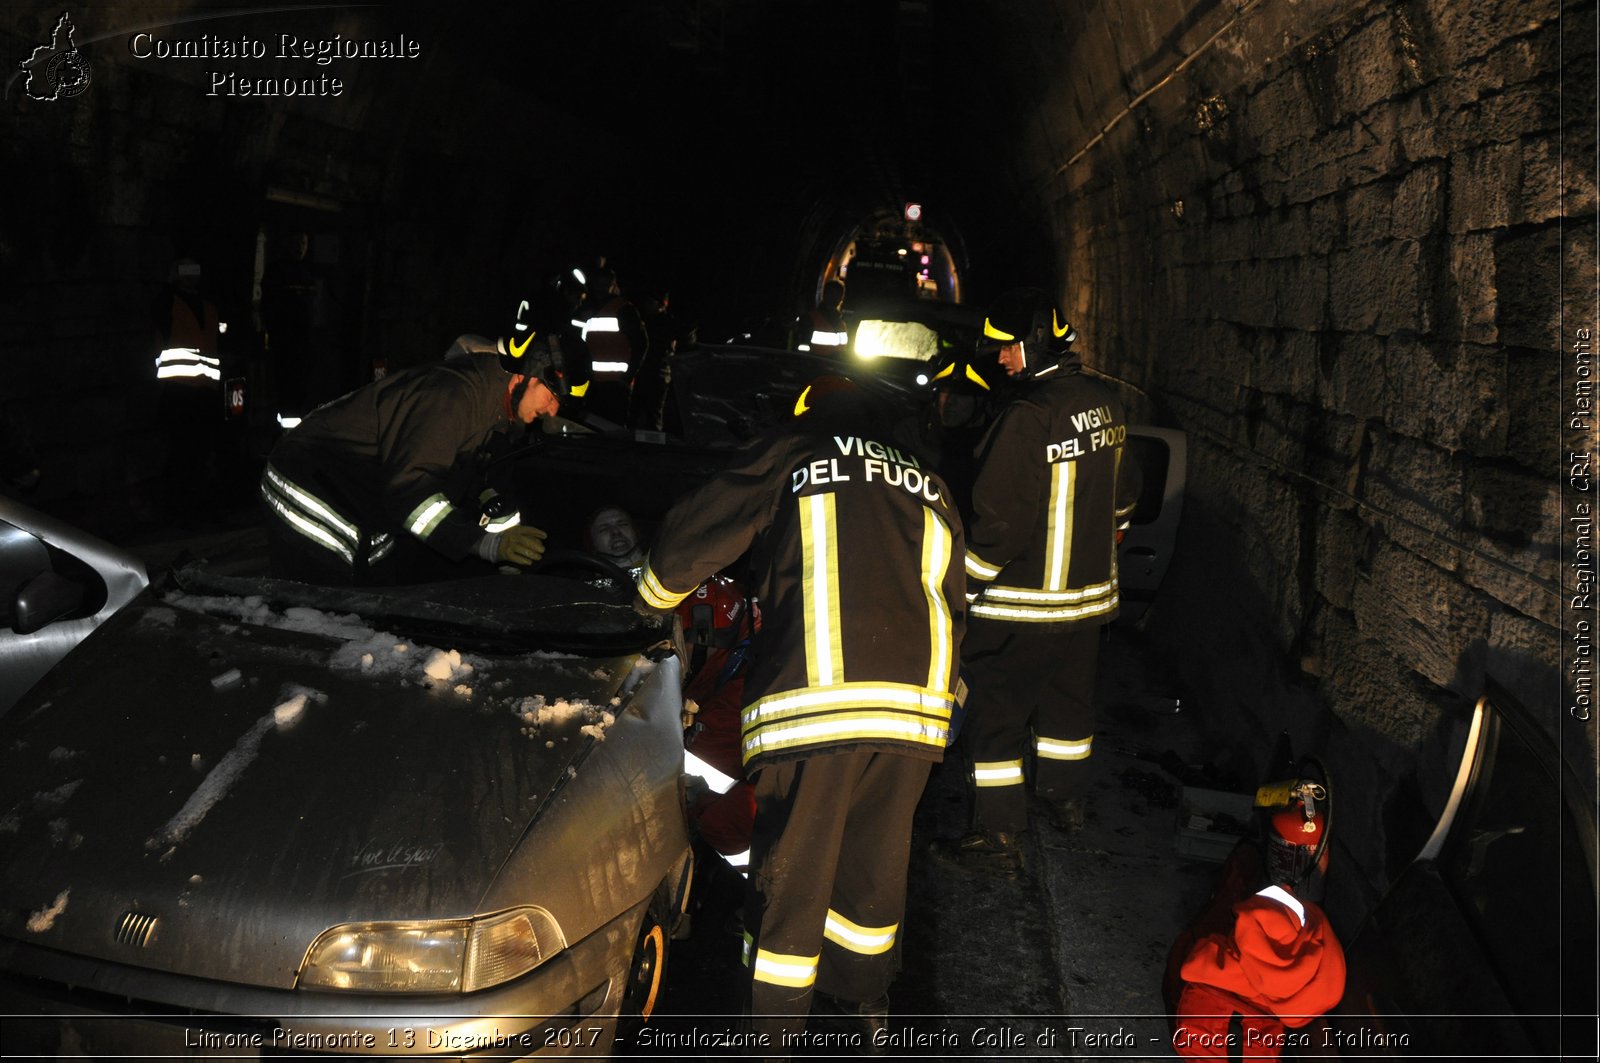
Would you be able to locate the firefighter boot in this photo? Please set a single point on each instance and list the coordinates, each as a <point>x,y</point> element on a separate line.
<point>861,1025</point>
<point>996,853</point>
<point>1066,814</point>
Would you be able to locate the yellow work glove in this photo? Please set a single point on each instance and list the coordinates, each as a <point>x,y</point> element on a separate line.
<point>522,545</point>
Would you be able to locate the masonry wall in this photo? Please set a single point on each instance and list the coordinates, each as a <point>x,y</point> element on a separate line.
<point>1329,245</point>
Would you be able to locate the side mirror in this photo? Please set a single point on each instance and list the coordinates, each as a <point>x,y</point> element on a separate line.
<point>45,599</point>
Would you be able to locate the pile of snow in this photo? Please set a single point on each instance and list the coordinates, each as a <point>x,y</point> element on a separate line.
<point>537,714</point>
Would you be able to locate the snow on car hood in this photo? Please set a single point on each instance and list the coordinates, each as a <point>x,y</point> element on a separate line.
<point>249,774</point>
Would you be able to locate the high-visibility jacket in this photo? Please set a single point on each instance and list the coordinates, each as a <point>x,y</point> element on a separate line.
<point>394,457</point>
<point>856,555</point>
<point>1054,485</point>
<point>190,353</point>
<point>615,336</point>
<point>822,331</point>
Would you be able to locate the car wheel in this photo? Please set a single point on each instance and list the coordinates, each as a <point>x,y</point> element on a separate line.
<point>643,988</point>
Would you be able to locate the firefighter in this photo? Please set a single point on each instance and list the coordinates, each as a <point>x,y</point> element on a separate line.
<point>856,559</point>
<point>617,342</point>
<point>822,329</point>
<point>189,371</point>
<point>1053,487</point>
<point>395,462</point>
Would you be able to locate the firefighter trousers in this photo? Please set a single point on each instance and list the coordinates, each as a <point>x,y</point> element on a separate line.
<point>827,888</point>
<point>1032,689</point>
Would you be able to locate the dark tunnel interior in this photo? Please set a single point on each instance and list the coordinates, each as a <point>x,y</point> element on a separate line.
<point>1347,246</point>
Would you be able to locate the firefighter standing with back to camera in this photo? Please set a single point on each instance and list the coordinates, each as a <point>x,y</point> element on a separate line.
<point>1054,487</point>
<point>856,559</point>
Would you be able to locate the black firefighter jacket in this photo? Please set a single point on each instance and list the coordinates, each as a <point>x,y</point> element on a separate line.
<point>1055,483</point>
<point>856,555</point>
<point>393,457</point>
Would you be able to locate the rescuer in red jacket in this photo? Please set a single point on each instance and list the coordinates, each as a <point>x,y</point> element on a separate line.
<point>1053,487</point>
<point>856,560</point>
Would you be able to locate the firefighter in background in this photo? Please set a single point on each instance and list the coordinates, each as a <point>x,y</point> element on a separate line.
<point>397,462</point>
<point>188,367</point>
<point>856,560</point>
<point>822,329</point>
<point>1053,488</point>
<point>615,336</point>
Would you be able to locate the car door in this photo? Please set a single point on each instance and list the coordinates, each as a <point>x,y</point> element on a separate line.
<point>1146,550</point>
<point>57,584</point>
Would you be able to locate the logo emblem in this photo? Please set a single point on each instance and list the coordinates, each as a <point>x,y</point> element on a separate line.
<point>56,70</point>
<point>516,351</point>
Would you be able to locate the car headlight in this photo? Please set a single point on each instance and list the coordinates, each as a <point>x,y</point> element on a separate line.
<point>432,957</point>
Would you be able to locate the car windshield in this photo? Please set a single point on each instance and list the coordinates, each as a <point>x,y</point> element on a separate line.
<point>580,611</point>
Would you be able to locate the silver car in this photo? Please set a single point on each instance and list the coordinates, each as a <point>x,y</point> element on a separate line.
<point>248,815</point>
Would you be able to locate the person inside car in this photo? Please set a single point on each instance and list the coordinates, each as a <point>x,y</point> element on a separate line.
<point>394,464</point>
<point>611,533</point>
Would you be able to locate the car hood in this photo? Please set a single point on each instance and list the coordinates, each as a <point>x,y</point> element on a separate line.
<point>201,759</point>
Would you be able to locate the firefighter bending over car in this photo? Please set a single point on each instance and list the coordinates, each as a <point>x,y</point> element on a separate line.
<point>395,463</point>
<point>856,559</point>
<point>1053,488</point>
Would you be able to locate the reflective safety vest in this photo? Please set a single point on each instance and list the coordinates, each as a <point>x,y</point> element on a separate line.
<point>190,355</point>
<point>857,547</point>
<point>616,339</point>
<point>1054,486</point>
<point>820,329</point>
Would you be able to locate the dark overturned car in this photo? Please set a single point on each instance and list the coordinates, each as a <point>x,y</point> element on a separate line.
<point>252,816</point>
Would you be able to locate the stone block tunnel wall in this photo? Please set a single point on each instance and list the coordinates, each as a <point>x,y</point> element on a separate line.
<point>1329,245</point>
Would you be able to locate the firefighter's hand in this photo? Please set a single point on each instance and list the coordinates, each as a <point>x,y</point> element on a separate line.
<point>521,545</point>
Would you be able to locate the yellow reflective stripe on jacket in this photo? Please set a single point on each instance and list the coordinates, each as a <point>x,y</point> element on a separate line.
<point>843,727</point>
<point>775,968</point>
<point>997,772</point>
<point>654,593</point>
<point>863,940</point>
<point>1031,596</point>
<point>1043,614</point>
<point>1058,525</point>
<point>1060,749</point>
<point>426,517</point>
<point>819,588</point>
<point>937,544</point>
<point>980,569</point>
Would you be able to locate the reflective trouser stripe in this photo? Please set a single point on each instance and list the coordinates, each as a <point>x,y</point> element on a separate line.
<point>309,515</point>
<point>865,940</point>
<point>997,772</point>
<point>830,339</point>
<point>820,590</point>
<point>1056,749</point>
<point>775,968</point>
